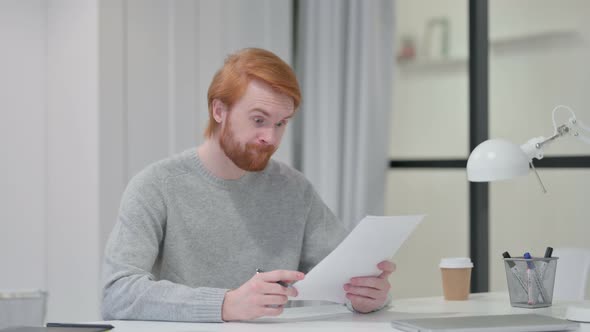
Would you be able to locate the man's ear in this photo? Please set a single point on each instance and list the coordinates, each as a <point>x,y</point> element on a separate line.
<point>219,110</point>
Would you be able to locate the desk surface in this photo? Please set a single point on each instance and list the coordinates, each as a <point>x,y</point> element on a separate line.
<point>338,318</point>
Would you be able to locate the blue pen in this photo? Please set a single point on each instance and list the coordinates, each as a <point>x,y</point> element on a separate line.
<point>532,274</point>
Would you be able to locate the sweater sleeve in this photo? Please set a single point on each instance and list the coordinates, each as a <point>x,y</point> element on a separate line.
<point>323,232</point>
<point>130,288</point>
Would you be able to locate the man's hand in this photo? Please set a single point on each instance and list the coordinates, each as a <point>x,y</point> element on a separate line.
<point>370,293</point>
<point>259,296</point>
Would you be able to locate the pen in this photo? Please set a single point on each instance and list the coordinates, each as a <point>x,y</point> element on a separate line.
<point>90,326</point>
<point>515,271</point>
<point>535,276</point>
<point>548,253</point>
<point>529,281</point>
<point>282,283</point>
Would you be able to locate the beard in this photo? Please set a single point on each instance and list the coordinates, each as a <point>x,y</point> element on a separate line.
<point>253,157</point>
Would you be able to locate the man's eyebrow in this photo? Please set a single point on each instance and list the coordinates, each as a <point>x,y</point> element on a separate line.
<point>261,111</point>
<point>265,113</point>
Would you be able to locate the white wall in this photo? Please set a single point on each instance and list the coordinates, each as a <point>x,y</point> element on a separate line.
<point>23,143</point>
<point>73,247</point>
<point>49,140</point>
<point>91,92</point>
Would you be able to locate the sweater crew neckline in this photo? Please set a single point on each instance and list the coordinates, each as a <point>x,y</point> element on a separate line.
<point>213,179</point>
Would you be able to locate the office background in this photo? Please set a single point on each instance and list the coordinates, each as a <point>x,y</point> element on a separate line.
<point>538,53</point>
<point>92,91</point>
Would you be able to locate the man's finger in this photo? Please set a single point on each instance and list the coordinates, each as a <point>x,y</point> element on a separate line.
<point>384,275</point>
<point>386,266</point>
<point>281,275</point>
<point>361,303</point>
<point>274,288</point>
<point>363,291</point>
<point>372,282</point>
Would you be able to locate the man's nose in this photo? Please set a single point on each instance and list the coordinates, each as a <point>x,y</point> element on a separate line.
<point>268,136</point>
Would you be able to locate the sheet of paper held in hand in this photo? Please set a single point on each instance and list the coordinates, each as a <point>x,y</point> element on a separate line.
<point>373,240</point>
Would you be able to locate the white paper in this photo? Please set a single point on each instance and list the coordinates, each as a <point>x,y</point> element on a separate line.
<point>373,240</point>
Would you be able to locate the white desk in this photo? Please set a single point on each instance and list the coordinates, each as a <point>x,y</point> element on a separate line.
<point>333,318</point>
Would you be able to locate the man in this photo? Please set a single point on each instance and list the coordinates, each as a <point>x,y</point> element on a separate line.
<point>193,229</point>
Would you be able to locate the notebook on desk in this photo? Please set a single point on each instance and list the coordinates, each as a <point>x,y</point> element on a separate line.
<point>493,323</point>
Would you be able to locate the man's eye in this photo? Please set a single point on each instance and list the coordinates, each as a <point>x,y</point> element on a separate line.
<point>258,120</point>
<point>281,124</point>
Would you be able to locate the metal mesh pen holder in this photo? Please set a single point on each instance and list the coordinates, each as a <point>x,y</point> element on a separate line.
<point>530,281</point>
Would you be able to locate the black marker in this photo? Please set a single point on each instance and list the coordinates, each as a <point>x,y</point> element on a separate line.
<point>548,252</point>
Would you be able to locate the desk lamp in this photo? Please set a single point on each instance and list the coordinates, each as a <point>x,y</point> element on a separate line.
<point>498,159</point>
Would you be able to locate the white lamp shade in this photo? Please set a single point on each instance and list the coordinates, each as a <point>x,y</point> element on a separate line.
<point>496,159</point>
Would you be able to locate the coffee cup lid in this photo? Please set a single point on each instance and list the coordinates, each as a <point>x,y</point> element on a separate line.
<point>455,263</point>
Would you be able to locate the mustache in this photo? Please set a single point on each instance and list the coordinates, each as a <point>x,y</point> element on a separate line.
<point>260,148</point>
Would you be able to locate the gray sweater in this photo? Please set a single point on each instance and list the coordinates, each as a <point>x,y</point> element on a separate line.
<point>184,237</point>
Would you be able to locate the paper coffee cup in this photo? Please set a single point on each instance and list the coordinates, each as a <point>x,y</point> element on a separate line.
<point>456,277</point>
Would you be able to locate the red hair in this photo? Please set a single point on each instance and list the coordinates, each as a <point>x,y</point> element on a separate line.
<point>230,82</point>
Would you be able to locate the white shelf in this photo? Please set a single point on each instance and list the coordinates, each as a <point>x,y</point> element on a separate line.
<point>495,41</point>
<point>542,35</point>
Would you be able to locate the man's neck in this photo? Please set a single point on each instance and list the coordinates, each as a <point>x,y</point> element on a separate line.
<point>217,162</point>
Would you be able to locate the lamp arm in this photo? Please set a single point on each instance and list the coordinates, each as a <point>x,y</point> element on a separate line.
<point>579,130</point>
<point>534,147</point>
